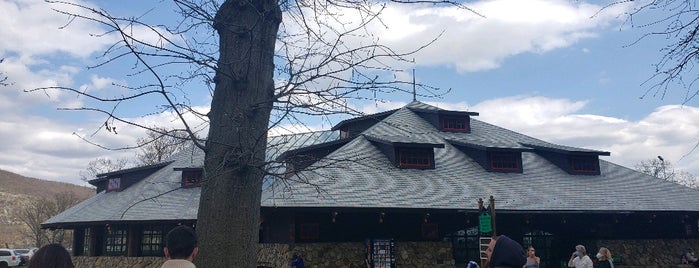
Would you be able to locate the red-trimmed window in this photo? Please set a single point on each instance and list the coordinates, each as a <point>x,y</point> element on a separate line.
<point>504,161</point>
<point>456,124</point>
<point>113,184</point>
<point>309,231</point>
<point>584,164</point>
<point>191,177</point>
<point>415,157</point>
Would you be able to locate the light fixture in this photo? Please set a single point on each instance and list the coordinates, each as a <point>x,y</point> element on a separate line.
<point>381,215</point>
<point>335,216</point>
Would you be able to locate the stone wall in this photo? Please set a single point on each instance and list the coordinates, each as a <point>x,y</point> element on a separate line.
<point>111,262</point>
<point>315,255</point>
<point>633,253</point>
<point>660,253</point>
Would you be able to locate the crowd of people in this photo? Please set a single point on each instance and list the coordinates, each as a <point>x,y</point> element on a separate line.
<point>503,252</point>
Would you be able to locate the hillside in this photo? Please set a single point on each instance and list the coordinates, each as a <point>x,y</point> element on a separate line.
<point>16,191</point>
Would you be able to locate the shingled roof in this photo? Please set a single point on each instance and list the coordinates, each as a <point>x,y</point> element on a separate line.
<point>359,175</point>
<point>366,178</point>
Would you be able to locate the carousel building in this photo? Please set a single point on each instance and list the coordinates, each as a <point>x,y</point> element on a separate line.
<point>410,175</point>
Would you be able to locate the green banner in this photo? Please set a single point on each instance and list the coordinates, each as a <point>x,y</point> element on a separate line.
<point>484,222</point>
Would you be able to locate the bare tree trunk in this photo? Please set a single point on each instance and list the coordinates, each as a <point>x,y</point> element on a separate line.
<point>229,209</point>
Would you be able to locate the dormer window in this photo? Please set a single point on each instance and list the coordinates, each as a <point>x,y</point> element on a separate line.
<point>584,164</point>
<point>191,178</point>
<point>113,184</point>
<point>454,123</point>
<point>420,158</point>
<point>505,161</point>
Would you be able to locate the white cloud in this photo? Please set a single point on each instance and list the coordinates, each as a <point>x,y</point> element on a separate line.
<point>31,28</point>
<point>510,27</point>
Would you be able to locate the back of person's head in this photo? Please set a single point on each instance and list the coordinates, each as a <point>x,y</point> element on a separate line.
<point>181,242</point>
<point>51,256</point>
<point>507,253</point>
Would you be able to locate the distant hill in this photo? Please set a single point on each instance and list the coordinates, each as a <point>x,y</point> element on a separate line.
<point>16,191</point>
<point>18,184</point>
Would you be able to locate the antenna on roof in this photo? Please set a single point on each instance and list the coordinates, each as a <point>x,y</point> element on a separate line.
<point>414,94</point>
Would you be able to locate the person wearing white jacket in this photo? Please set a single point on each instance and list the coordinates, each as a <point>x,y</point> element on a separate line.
<point>579,258</point>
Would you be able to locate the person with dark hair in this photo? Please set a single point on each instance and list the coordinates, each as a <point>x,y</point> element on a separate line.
<point>51,256</point>
<point>532,260</point>
<point>180,247</point>
<point>503,252</point>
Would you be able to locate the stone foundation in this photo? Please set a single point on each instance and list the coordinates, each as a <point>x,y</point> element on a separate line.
<point>315,255</point>
<point>634,254</point>
<point>122,262</point>
<point>659,253</point>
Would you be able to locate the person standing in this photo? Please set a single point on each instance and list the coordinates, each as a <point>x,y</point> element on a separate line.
<point>180,248</point>
<point>604,258</point>
<point>579,258</point>
<point>297,261</point>
<point>532,260</point>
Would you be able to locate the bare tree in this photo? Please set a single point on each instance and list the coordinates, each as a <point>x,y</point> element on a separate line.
<point>40,210</point>
<point>159,144</point>
<point>662,169</point>
<point>102,165</point>
<point>676,22</point>
<point>3,77</point>
<point>265,63</point>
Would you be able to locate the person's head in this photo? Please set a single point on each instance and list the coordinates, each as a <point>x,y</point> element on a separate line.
<point>503,251</point>
<point>531,252</point>
<point>181,243</point>
<point>51,256</point>
<point>581,250</point>
<point>604,254</point>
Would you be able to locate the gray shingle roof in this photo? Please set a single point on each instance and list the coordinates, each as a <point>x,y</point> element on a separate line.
<point>362,177</point>
<point>367,179</point>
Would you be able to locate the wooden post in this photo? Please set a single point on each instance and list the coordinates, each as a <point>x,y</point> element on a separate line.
<point>491,206</point>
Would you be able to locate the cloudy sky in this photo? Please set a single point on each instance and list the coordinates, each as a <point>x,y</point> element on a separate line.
<point>568,72</point>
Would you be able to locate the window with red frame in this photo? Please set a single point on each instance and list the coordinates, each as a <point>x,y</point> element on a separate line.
<point>191,178</point>
<point>309,231</point>
<point>459,124</point>
<point>113,184</point>
<point>505,161</point>
<point>584,164</point>
<point>415,157</point>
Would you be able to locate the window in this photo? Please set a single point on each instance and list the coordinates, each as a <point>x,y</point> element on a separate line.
<point>191,178</point>
<point>151,242</point>
<point>584,164</point>
<point>113,184</point>
<point>115,242</point>
<point>457,124</point>
<point>415,157</point>
<point>504,161</point>
<point>309,231</point>
<point>87,241</point>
